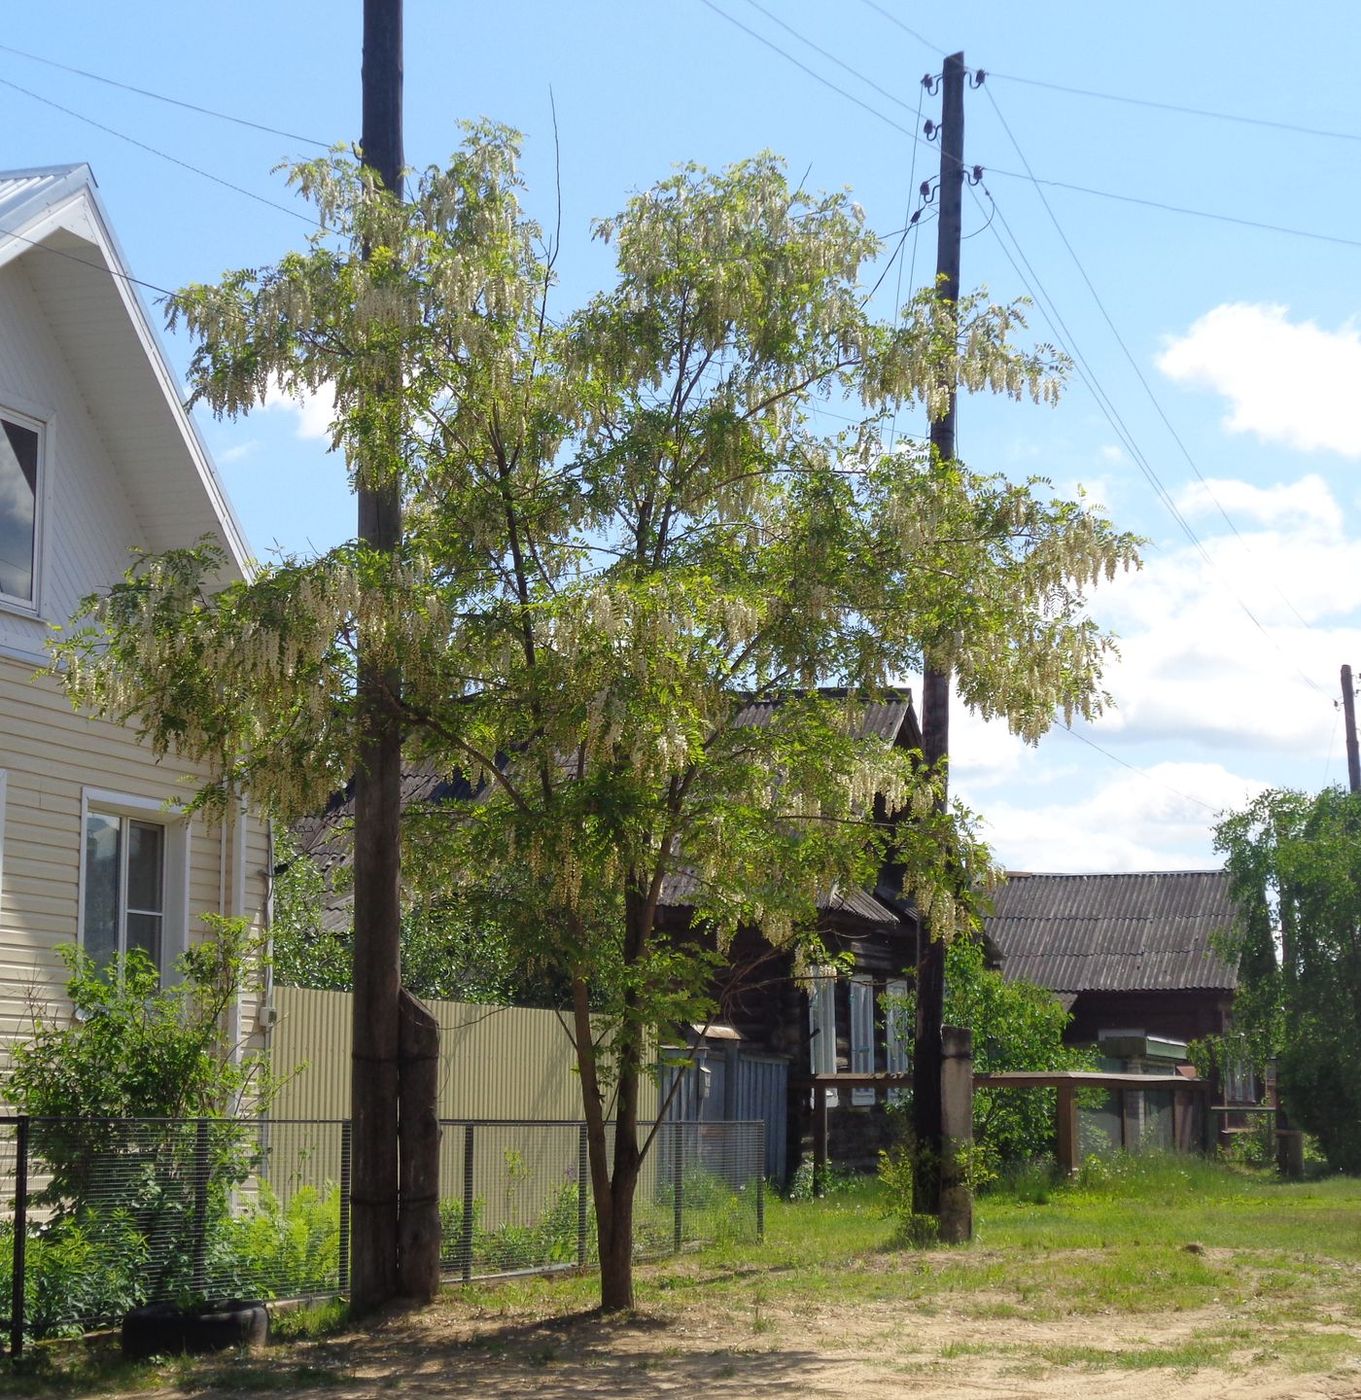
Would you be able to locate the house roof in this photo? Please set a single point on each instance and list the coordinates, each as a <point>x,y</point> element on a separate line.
<point>53,222</point>
<point>891,718</point>
<point>327,839</point>
<point>1106,933</point>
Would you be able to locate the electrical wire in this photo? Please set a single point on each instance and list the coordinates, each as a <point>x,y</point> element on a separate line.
<point>893,19</point>
<point>1046,306</point>
<point>42,247</point>
<point>812,72</point>
<point>1180,109</point>
<point>1134,768</point>
<point>1176,208</point>
<point>163,97</point>
<point>1164,206</point>
<point>156,151</point>
<point>832,58</point>
<point>1142,378</point>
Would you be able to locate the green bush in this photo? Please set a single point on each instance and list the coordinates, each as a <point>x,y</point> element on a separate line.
<point>77,1272</point>
<point>273,1250</point>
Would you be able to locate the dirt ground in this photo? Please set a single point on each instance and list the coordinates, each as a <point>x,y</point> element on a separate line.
<point>827,1351</point>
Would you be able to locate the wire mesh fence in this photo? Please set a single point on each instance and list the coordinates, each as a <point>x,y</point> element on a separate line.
<point>101,1215</point>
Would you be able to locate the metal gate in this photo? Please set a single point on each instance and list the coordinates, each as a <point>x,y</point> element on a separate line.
<point>735,1087</point>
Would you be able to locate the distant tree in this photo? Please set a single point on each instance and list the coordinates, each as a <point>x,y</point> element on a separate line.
<point>449,950</point>
<point>619,524</point>
<point>1294,864</point>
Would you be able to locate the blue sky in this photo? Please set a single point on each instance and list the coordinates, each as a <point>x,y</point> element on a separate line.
<point>1245,338</point>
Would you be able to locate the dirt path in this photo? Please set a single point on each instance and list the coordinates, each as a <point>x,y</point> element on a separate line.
<point>841,1353</point>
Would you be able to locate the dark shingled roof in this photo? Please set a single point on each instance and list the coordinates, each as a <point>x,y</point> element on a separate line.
<point>1114,933</point>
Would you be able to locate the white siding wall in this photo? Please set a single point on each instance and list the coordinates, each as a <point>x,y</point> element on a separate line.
<point>89,523</point>
<point>49,754</point>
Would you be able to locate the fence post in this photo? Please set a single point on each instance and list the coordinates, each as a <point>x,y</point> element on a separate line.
<point>466,1243</point>
<point>346,1147</point>
<point>198,1272</point>
<point>16,1314</point>
<point>583,1185</point>
<point>1066,1137</point>
<point>760,1182</point>
<point>678,1187</point>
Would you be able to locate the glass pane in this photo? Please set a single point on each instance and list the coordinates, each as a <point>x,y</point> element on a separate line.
<point>101,887</point>
<point>146,889</point>
<point>144,931</point>
<point>18,508</point>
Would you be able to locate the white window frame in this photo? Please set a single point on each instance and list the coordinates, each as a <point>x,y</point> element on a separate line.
<point>174,872</point>
<point>897,1034</point>
<point>862,1036</point>
<point>34,417</point>
<point>822,1026</point>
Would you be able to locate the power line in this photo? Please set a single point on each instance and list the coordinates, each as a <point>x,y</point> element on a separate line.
<point>812,72</point>
<point>1121,429</point>
<point>1134,768</point>
<point>42,247</point>
<point>831,57</point>
<point>1164,206</point>
<point>893,19</point>
<point>1138,371</point>
<point>162,97</point>
<point>1177,107</point>
<point>156,151</point>
<point>1177,208</point>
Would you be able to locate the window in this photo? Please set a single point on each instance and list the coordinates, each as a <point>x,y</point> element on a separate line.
<point>862,1035</point>
<point>822,1026</point>
<point>21,454</point>
<point>132,880</point>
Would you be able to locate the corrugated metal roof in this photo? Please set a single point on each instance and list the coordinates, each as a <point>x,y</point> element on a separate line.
<point>22,192</point>
<point>680,888</point>
<point>1137,932</point>
<point>889,718</point>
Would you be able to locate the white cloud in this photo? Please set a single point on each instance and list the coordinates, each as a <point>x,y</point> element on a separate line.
<point>1160,819</point>
<point>1111,453</point>
<point>1287,382</point>
<point>238,451</point>
<point>1308,503</point>
<point>313,410</point>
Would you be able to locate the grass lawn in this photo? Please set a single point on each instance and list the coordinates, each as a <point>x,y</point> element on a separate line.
<point>1148,1265</point>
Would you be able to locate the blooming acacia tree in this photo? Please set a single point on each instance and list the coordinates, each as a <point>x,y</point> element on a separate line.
<point>619,528</point>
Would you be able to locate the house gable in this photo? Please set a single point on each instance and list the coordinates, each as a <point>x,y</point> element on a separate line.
<point>123,464</point>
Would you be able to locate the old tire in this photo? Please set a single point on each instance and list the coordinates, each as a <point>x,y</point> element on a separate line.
<point>162,1329</point>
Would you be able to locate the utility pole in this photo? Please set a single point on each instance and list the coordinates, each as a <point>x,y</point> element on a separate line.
<point>377,785</point>
<point>1349,719</point>
<point>926,1050</point>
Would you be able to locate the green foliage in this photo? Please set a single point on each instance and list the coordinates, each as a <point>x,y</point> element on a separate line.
<point>1016,1026</point>
<point>808,1183</point>
<point>78,1271</point>
<point>274,1249</point>
<point>621,525</point>
<point>452,951</point>
<point>135,1050</point>
<point>1294,863</point>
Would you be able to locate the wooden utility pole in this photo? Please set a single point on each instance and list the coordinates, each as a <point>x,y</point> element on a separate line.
<point>1349,719</point>
<point>377,787</point>
<point>926,1050</point>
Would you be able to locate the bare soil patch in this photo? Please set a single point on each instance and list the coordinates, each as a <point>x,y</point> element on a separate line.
<point>823,1349</point>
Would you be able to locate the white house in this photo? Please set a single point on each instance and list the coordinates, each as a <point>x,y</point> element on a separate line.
<point>97,455</point>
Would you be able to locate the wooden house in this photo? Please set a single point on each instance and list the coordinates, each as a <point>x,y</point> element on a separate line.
<point>1131,954</point>
<point>97,457</point>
